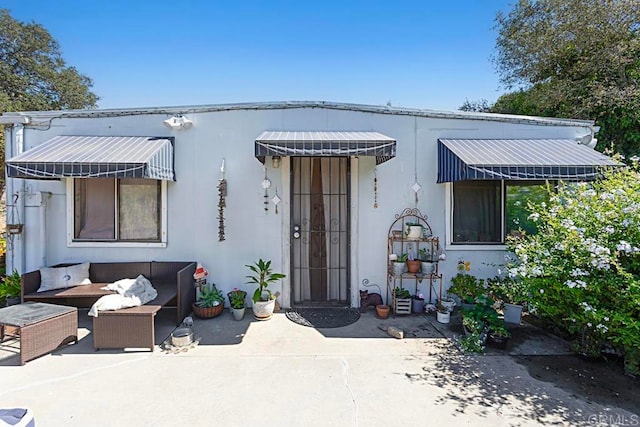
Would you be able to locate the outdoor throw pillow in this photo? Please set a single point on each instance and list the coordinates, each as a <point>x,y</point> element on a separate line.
<point>64,277</point>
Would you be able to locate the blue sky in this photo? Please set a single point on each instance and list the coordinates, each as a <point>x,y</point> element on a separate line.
<point>418,54</point>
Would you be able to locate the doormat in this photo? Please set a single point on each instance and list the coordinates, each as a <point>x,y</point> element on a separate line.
<point>323,317</point>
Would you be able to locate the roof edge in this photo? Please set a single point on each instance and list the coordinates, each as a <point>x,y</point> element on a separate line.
<point>27,116</point>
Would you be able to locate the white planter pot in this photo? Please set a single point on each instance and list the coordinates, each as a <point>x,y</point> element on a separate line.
<point>263,310</point>
<point>428,267</point>
<point>443,317</point>
<point>414,232</point>
<point>512,313</point>
<point>238,313</point>
<point>448,304</point>
<point>399,268</point>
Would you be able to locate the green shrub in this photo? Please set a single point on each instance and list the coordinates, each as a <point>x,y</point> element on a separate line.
<point>582,268</point>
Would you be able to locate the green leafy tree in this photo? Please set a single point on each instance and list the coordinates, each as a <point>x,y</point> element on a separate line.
<point>574,58</point>
<point>33,74</point>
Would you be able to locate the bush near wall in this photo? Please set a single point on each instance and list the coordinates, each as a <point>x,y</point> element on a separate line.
<point>583,266</point>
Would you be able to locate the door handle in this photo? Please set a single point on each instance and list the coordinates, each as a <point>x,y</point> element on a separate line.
<point>296,231</point>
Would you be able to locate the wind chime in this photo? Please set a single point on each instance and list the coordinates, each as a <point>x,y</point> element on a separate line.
<point>222,203</point>
<point>375,188</point>
<point>266,184</point>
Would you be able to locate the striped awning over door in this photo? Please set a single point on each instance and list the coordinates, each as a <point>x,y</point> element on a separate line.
<point>325,144</point>
<point>96,157</point>
<point>518,159</point>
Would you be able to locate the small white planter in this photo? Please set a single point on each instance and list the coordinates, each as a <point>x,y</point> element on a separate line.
<point>399,268</point>
<point>414,232</point>
<point>448,304</point>
<point>428,267</point>
<point>443,317</point>
<point>238,313</point>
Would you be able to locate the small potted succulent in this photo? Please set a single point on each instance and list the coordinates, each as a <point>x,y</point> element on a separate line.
<point>210,302</point>
<point>236,300</point>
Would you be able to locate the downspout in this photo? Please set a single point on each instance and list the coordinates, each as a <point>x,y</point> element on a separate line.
<point>14,145</point>
<point>43,227</point>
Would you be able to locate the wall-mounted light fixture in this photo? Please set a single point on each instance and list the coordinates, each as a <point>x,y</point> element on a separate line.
<point>275,162</point>
<point>178,122</point>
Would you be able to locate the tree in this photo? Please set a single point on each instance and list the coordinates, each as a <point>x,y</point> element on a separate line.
<point>33,74</point>
<point>573,58</point>
<point>481,106</point>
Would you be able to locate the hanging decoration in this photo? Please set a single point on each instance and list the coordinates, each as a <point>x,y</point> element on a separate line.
<point>276,200</point>
<point>222,203</point>
<point>375,188</point>
<point>15,227</point>
<point>266,184</point>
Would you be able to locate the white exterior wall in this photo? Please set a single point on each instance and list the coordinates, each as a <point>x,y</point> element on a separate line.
<point>250,233</point>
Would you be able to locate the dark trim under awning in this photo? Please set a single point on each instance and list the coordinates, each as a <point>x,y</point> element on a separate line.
<point>518,159</point>
<point>325,144</point>
<point>96,157</point>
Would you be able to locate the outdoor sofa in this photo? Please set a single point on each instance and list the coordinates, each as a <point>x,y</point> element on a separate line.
<point>127,327</point>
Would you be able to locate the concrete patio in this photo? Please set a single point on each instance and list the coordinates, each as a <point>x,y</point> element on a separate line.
<point>280,373</point>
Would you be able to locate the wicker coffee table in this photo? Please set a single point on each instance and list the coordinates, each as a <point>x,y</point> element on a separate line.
<point>41,327</point>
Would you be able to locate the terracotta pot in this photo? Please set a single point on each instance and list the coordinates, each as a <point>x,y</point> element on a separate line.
<point>207,312</point>
<point>413,266</point>
<point>382,311</point>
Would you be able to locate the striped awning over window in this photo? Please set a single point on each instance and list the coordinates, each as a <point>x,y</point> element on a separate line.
<point>518,159</point>
<point>96,157</point>
<point>325,144</point>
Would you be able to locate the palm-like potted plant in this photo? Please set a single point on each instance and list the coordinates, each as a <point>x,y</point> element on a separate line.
<point>236,300</point>
<point>210,302</point>
<point>263,300</point>
<point>11,288</point>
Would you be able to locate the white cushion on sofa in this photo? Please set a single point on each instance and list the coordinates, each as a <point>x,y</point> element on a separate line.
<point>64,277</point>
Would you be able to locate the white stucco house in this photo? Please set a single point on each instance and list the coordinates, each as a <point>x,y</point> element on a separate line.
<point>142,184</point>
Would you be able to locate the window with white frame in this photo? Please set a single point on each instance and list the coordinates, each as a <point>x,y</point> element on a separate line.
<point>484,212</point>
<point>117,210</point>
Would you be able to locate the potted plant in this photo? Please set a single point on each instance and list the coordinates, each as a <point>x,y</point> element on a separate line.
<point>263,300</point>
<point>11,288</point>
<point>511,294</point>
<point>413,264</point>
<point>400,264</point>
<point>414,230</point>
<point>498,336</point>
<point>236,301</point>
<point>443,315</point>
<point>466,286</point>
<point>210,302</point>
<point>402,301</point>
<point>426,261</point>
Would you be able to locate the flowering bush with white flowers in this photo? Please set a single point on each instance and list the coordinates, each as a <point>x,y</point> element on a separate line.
<point>582,268</point>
